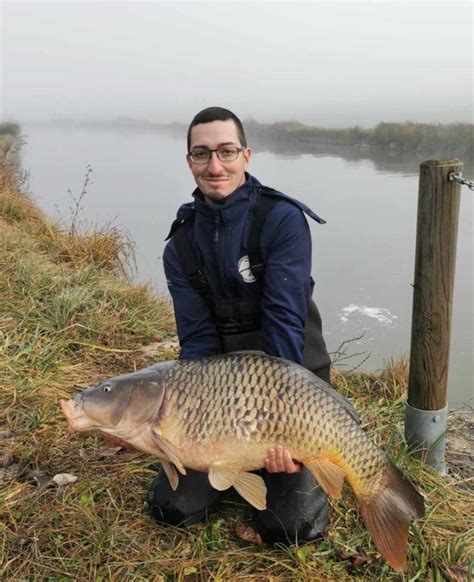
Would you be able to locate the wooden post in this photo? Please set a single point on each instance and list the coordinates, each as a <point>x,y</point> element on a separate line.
<point>436,236</point>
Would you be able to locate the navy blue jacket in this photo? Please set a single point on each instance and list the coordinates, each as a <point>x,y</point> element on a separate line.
<point>219,233</point>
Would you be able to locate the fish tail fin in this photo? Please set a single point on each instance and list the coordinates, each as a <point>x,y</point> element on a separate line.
<point>387,516</point>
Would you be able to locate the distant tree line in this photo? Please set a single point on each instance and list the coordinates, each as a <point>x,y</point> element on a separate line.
<point>454,138</point>
<point>427,139</point>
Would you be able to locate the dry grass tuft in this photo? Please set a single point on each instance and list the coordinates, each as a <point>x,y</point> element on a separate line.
<point>106,248</point>
<point>15,204</point>
<point>67,321</point>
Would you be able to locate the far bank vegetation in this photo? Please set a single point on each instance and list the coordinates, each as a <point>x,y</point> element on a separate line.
<point>453,139</point>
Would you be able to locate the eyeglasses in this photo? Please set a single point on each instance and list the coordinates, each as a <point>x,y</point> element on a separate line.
<point>225,154</point>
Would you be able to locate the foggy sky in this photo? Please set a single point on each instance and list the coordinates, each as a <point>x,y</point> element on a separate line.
<point>319,62</point>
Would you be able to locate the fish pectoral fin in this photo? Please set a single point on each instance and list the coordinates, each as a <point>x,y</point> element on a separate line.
<point>253,489</point>
<point>171,473</point>
<point>222,476</point>
<point>167,448</point>
<point>328,475</point>
<point>250,486</point>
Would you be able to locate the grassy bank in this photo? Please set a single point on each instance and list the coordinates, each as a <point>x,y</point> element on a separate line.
<point>68,317</point>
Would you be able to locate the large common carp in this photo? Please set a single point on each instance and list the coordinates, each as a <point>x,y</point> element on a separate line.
<point>221,415</point>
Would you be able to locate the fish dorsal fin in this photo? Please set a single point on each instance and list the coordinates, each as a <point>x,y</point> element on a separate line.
<point>339,398</point>
<point>167,448</point>
<point>250,486</point>
<point>248,353</point>
<point>329,476</point>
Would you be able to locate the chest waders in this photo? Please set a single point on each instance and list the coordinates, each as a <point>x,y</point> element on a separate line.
<point>297,509</point>
<point>238,321</point>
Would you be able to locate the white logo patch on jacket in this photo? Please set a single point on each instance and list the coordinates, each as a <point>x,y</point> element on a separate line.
<point>245,271</point>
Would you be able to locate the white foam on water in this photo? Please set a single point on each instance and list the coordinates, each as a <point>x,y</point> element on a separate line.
<point>382,315</point>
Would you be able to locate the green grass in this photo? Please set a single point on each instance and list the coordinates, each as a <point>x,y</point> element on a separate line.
<point>67,320</point>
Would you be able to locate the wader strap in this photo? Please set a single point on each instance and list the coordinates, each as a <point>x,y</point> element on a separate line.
<point>260,212</point>
<point>190,264</point>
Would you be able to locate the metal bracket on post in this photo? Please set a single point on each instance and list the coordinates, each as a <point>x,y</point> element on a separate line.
<point>425,431</point>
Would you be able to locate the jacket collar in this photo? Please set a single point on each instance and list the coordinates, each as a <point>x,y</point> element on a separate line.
<point>226,211</point>
<point>232,206</point>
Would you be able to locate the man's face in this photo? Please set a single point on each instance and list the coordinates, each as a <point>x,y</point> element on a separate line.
<point>217,179</point>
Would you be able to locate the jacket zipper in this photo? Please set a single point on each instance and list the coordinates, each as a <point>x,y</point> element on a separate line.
<point>216,232</point>
<point>220,251</point>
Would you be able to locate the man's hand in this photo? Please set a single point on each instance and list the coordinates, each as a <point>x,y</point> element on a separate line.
<point>279,460</point>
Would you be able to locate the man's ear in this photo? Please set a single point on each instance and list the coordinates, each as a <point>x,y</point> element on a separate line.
<point>247,153</point>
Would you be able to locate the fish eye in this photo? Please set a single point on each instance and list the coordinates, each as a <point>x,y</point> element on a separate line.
<point>107,388</point>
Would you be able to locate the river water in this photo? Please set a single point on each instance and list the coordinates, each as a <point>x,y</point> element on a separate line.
<point>363,258</point>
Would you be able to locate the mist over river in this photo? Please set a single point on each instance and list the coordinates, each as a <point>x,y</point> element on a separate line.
<point>363,258</point>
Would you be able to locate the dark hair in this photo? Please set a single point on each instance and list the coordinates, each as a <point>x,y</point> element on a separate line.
<point>217,114</point>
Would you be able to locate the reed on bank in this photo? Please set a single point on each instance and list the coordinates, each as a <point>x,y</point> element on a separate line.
<point>69,317</point>
<point>9,134</point>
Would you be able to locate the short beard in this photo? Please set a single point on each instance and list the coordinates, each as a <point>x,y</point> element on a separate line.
<point>215,198</point>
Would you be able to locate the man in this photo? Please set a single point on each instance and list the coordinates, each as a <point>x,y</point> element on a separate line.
<point>238,267</point>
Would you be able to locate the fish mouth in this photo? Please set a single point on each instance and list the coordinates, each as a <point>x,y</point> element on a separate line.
<point>74,413</point>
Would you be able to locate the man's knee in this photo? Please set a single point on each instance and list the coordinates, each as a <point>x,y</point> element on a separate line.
<point>297,509</point>
<point>189,504</point>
